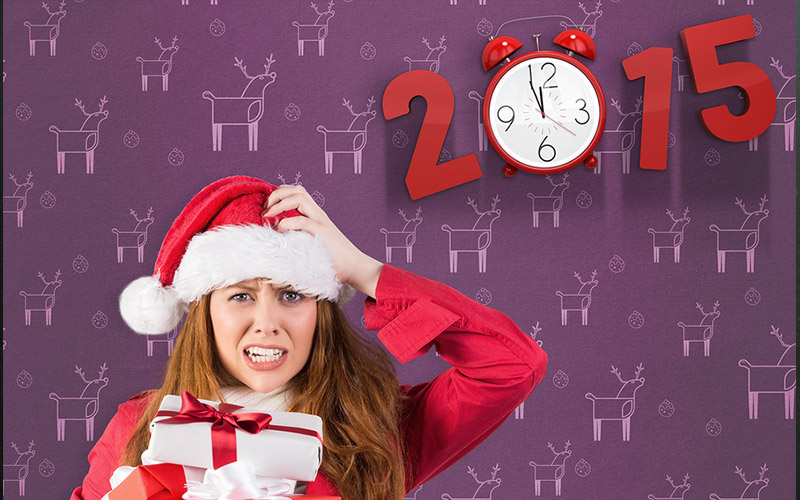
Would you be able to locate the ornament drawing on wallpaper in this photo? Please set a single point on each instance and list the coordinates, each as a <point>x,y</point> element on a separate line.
<point>47,32</point>
<point>484,27</point>
<point>552,472</point>
<point>351,141</point>
<point>752,489</point>
<point>701,332</point>
<point>582,468</point>
<point>580,301</point>
<point>316,32</point>
<point>99,320</point>
<point>16,202</point>
<point>444,156</point>
<point>161,67</point>
<point>483,139</point>
<point>752,297</point>
<point>485,488</point>
<point>46,468</point>
<point>43,301</point>
<point>634,48</point>
<point>47,200</point>
<point>678,490</point>
<point>83,141</point>
<point>175,157</point>
<point>745,239</point>
<point>135,239</point>
<point>560,379</point>
<point>83,407</point>
<point>246,109</point>
<point>780,378</point>
<point>405,237</point>
<point>166,338</point>
<point>130,139</point>
<point>636,320</point>
<point>80,265</point>
<point>368,51</point>
<point>24,379</point>
<point>621,139</point>
<point>620,407</point>
<point>400,139</point>
<point>713,427</point>
<point>666,409</point>
<point>616,264</point>
<point>23,112</point>
<point>672,238</point>
<point>712,157</point>
<point>483,296</point>
<point>292,112</point>
<point>589,23</point>
<point>475,239</point>
<point>217,27</point>
<point>99,51</point>
<point>787,109</point>
<point>18,471</point>
<point>550,203</point>
<point>431,61</point>
<point>584,200</point>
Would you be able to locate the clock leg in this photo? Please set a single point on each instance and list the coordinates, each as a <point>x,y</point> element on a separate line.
<point>509,170</point>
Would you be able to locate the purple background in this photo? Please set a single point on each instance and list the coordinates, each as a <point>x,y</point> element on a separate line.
<point>526,265</point>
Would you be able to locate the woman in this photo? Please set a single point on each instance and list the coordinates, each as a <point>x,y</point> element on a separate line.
<point>263,273</point>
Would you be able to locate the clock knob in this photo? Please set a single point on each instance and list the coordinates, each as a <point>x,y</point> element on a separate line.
<point>498,49</point>
<point>590,162</point>
<point>577,41</point>
<point>509,170</point>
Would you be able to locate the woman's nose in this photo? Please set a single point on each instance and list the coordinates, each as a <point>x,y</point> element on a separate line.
<point>265,318</point>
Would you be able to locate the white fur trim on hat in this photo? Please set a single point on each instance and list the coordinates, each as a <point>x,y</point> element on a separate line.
<point>149,308</point>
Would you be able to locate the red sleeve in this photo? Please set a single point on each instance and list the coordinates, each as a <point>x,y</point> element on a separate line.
<point>495,366</point>
<point>105,456</point>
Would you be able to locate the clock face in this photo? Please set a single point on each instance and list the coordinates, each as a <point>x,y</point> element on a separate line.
<point>544,112</point>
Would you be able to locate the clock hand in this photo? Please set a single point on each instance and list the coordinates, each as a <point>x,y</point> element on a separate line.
<point>541,100</point>
<point>558,123</point>
<point>538,98</point>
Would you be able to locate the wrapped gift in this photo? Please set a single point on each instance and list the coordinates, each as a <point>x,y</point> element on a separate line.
<point>206,434</point>
<point>148,482</point>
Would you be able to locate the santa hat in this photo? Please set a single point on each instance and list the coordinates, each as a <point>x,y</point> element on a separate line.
<point>219,239</point>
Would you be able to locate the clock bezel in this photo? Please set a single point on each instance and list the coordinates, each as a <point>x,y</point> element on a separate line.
<point>569,60</point>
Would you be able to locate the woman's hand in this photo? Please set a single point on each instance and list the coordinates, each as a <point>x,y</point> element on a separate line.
<point>352,266</point>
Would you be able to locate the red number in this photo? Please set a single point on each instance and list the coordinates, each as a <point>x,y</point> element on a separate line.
<point>424,176</point>
<point>699,44</point>
<point>655,66</point>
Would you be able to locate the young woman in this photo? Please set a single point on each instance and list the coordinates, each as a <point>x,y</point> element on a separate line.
<point>263,273</point>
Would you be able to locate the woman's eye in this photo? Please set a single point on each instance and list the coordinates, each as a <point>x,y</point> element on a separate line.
<point>292,296</point>
<point>240,297</point>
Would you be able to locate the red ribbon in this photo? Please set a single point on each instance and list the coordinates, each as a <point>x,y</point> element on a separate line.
<point>224,425</point>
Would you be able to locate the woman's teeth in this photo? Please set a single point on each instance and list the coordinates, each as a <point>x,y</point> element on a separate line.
<point>261,355</point>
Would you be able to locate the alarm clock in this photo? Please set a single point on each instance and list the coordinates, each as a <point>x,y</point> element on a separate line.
<point>544,111</point>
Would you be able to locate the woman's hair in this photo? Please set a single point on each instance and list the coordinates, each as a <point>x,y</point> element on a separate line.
<point>348,382</point>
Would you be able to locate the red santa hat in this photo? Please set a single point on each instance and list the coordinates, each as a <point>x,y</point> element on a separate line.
<point>219,239</point>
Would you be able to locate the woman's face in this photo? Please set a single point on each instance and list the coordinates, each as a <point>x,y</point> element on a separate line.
<point>263,332</point>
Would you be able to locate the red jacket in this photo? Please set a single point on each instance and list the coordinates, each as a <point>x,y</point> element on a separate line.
<point>495,367</point>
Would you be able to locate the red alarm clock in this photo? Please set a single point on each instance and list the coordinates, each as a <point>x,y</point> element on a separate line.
<point>544,111</point>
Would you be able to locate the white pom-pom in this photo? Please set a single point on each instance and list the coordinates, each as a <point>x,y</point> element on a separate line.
<point>149,308</point>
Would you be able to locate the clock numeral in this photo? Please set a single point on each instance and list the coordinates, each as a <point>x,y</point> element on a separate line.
<point>506,121</point>
<point>583,108</point>
<point>424,176</point>
<point>546,147</point>
<point>545,86</point>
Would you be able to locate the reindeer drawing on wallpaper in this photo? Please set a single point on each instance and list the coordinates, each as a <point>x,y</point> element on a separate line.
<point>246,109</point>
<point>780,378</point>
<point>160,67</point>
<point>431,61</point>
<point>752,489</point>
<point>589,23</point>
<point>350,141</point>
<point>620,140</point>
<point>316,32</point>
<point>83,141</point>
<point>672,238</point>
<point>47,32</point>
<point>475,239</point>
<point>44,301</point>
<point>620,407</point>
<point>787,106</point>
<point>18,471</point>
<point>678,491</point>
<point>551,203</point>
<point>296,180</point>
<point>553,472</point>
<point>16,203</point>
<point>83,407</point>
<point>519,411</point>
<point>136,238</point>
<point>580,301</point>
<point>405,238</point>
<point>745,239</point>
<point>701,332</point>
<point>485,488</point>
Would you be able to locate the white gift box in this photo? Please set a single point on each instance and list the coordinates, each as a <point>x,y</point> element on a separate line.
<point>273,453</point>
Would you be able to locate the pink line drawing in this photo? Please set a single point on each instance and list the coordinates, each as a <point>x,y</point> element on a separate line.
<point>431,61</point>
<point>752,489</point>
<point>160,67</point>
<point>578,302</point>
<point>678,491</point>
<point>18,471</point>
<point>455,2</point>
<point>412,495</point>
<point>44,301</point>
<point>186,2</point>
<point>701,332</point>
<point>749,2</point>
<point>672,238</point>
<point>620,407</point>
<point>589,23</point>
<point>483,139</point>
<point>620,140</point>
<point>168,338</point>
<point>47,32</point>
<point>681,72</point>
<point>316,32</point>
<point>405,238</point>
<point>16,203</point>
<point>551,203</point>
<point>744,239</point>
<point>83,407</point>
<point>82,141</point>
<point>350,141</point>
<point>485,488</point>
<point>553,472</point>
<point>786,102</point>
<point>780,378</point>
<point>136,238</point>
<point>519,411</point>
<point>475,239</point>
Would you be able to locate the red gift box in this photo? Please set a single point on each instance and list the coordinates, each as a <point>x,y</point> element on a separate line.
<point>152,482</point>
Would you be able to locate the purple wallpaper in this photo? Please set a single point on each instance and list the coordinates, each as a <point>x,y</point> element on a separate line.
<point>664,299</point>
